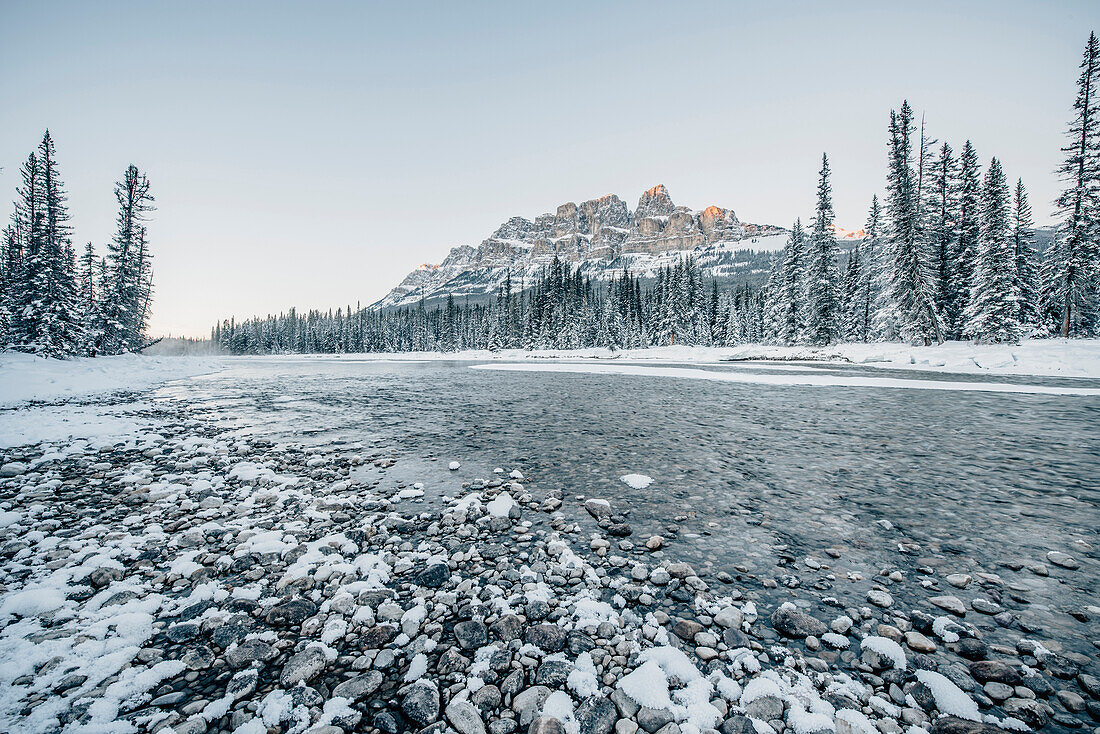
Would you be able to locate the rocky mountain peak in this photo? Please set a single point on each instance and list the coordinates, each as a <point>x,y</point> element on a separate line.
<point>600,234</point>
<point>655,202</point>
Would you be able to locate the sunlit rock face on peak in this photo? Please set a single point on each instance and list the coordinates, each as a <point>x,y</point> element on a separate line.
<point>602,236</point>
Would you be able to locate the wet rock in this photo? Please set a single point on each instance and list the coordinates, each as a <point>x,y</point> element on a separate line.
<point>596,715</point>
<point>379,636</point>
<point>951,604</point>
<point>303,666</point>
<point>686,629</point>
<point>653,719</point>
<point>548,637</point>
<point>790,622</point>
<point>553,673</point>
<point>955,725</point>
<point>12,469</point>
<point>291,613</point>
<point>527,703</point>
<point>359,687</point>
<point>919,643</point>
<point>509,627</point>
<point>464,718</point>
<point>765,707</point>
<point>248,652</point>
<point>994,670</point>
<point>434,576</point>
<point>1064,560</point>
<point>599,509</point>
<point>471,635</point>
<point>1027,710</point>
<point>421,703</point>
<point>546,725</point>
<point>973,649</point>
<point>738,724</point>
<point>880,598</point>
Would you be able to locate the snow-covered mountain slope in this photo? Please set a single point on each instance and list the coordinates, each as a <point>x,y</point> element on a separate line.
<point>602,237</point>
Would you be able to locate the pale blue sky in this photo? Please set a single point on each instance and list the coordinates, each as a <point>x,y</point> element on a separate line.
<point>310,154</point>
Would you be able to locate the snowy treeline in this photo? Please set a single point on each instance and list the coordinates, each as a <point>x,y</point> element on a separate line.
<point>562,310</point>
<point>949,253</point>
<point>55,304</point>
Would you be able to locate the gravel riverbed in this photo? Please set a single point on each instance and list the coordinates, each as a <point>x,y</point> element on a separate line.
<point>187,579</point>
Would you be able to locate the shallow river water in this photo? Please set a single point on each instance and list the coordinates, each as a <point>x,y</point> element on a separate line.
<point>762,477</point>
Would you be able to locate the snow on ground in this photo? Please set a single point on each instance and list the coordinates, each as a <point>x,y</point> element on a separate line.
<point>755,378</point>
<point>96,424</point>
<point>1039,357</point>
<point>24,377</point>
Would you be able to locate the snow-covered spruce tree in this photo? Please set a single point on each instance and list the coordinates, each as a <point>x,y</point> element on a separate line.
<point>61,332</point>
<point>791,291</point>
<point>26,299</point>
<point>11,280</point>
<point>942,225</point>
<point>849,302</point>
<point>960,271</point>
<point>1070,268</point>
<point>872,265</point>
<point>909,310</point>
<point>1027,278</point>
<point>822,275</point>
<point>992,313</point>
<point>124,296</point>
<point>86,298</point>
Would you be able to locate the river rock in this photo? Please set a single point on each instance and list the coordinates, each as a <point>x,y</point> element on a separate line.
<point>791,622</point>
<point>359,687</point>
<point>1064,560</point>
<point>596,715</point>
<point>951,604</point>
<point>303,666</point>
<point>471,635</point>
<point>994,670</point>
<point>546,725</point>
<point>421,703</point>
<point>548,637</point>
<point>464,718</point>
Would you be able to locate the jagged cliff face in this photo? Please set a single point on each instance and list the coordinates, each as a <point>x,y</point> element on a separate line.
<point>602,235</point>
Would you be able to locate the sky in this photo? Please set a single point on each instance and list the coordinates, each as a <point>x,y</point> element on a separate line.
<point>311,154</point>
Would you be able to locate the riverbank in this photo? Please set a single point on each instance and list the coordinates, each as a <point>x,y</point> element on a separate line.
<point>178,576</point>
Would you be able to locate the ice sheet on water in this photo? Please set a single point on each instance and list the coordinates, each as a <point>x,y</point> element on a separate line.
<point>636,481</point>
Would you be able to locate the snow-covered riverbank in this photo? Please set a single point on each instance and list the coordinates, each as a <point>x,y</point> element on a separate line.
<point>1036,357</point>
<point>25,378</point>
<point>180,581</point>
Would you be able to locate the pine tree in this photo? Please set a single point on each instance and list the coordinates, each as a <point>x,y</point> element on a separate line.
<point>871,276</point>
<point>1027,279</point>
<point>992,313</point>
<point>11,282</point>
<point>910,308</point>
<point>125,292</point>
<point>791,314</point>
<point>1072,262</point>
<point>964,255</point>
<point>850,307</point>
<point>60,328</point>
<point>28,296</point>
<point>942,228</point>
<point>822,276</point>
